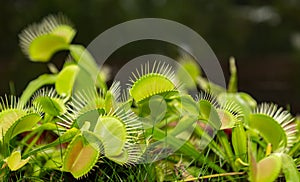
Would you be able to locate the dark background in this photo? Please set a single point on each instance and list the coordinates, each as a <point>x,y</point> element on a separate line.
<point>263,36</point>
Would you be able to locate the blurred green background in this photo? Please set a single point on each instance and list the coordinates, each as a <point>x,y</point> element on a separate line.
<point>263,36</point>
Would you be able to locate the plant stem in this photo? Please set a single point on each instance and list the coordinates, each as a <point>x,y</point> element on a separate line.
<point>294,149</point>
<point>33,142</point>
<point>47,118</point>
<point>28,136</point>
<point>215,175</point>
<point>212,145</point>
<point>226,145</point>
<point>239,160</point>
<point>188,150</point>
<point>232,86</point>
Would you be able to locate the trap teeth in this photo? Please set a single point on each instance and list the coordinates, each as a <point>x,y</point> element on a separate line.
<point>40,41</point>
<point>148,82</point>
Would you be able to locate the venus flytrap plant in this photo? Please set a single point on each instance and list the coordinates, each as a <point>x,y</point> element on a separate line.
<point>265,170</point>
<point>96,128</point>
<point>155,90</point>
<point>275,126</point>
<point>225,116</point>
<point>205,114</point>
<point>117,132</point>
<point>110,128</point>
<point>15,119</point>
<point>77,52</point>
<point>230,114</point>
<point>206,129</point>
<point>50,102</point>
<point>40,41</point>
<point>163,86</point>
<point>80,157</point>
<point>10,113</point>
<point>278,130</point>
<point>91,101</point>
<point>160,80</point>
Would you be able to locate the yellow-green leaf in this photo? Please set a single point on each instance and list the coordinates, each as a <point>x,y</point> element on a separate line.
<point>15,162</point>
<point>112,133</point>
<point>8,118</point>
<point>43,47</point>
<point>269,129</point>
<point>25,123</point>
<point>80,157</point>
<point>239,141</point>
<point>65,80</point>
<point>150,85</point>
<point>52,106</point>
<point>64,31</point>
<point>266,170</point>
<point>289,168</point>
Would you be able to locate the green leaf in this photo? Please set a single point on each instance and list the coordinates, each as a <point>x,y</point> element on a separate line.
<point>266,170</point>
<point>209,86</point>
<point>65,80</point>
<point>25,123</point>
<point>88,75</point>
<point>91,117</point>
<point>209,113</point>
<point>54,160</point>
<point>243,100</point>
<point>15,162</point>
<point>184,128</point>
<point>34,85</point>
<point>188,72</point>
<point>40,41</point>
<point>122,158</point>
<point>248,99</point>
<point>150,85</point>
<point>51,106</point>
<point>223,138</point>
<point>48,126</point>
<point>158,108</point>
<point>64,31</point>
<point>8,118</point>
<point>289,168</point>
<point>80,157</point>
<point>188,105</point>
<point>185,148</point>
<point>42,48</point>
<point>239,141</point>
<point>227,119</point>
<point>66,137</point>
<point>269,129</point>
<point>112,133</point>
